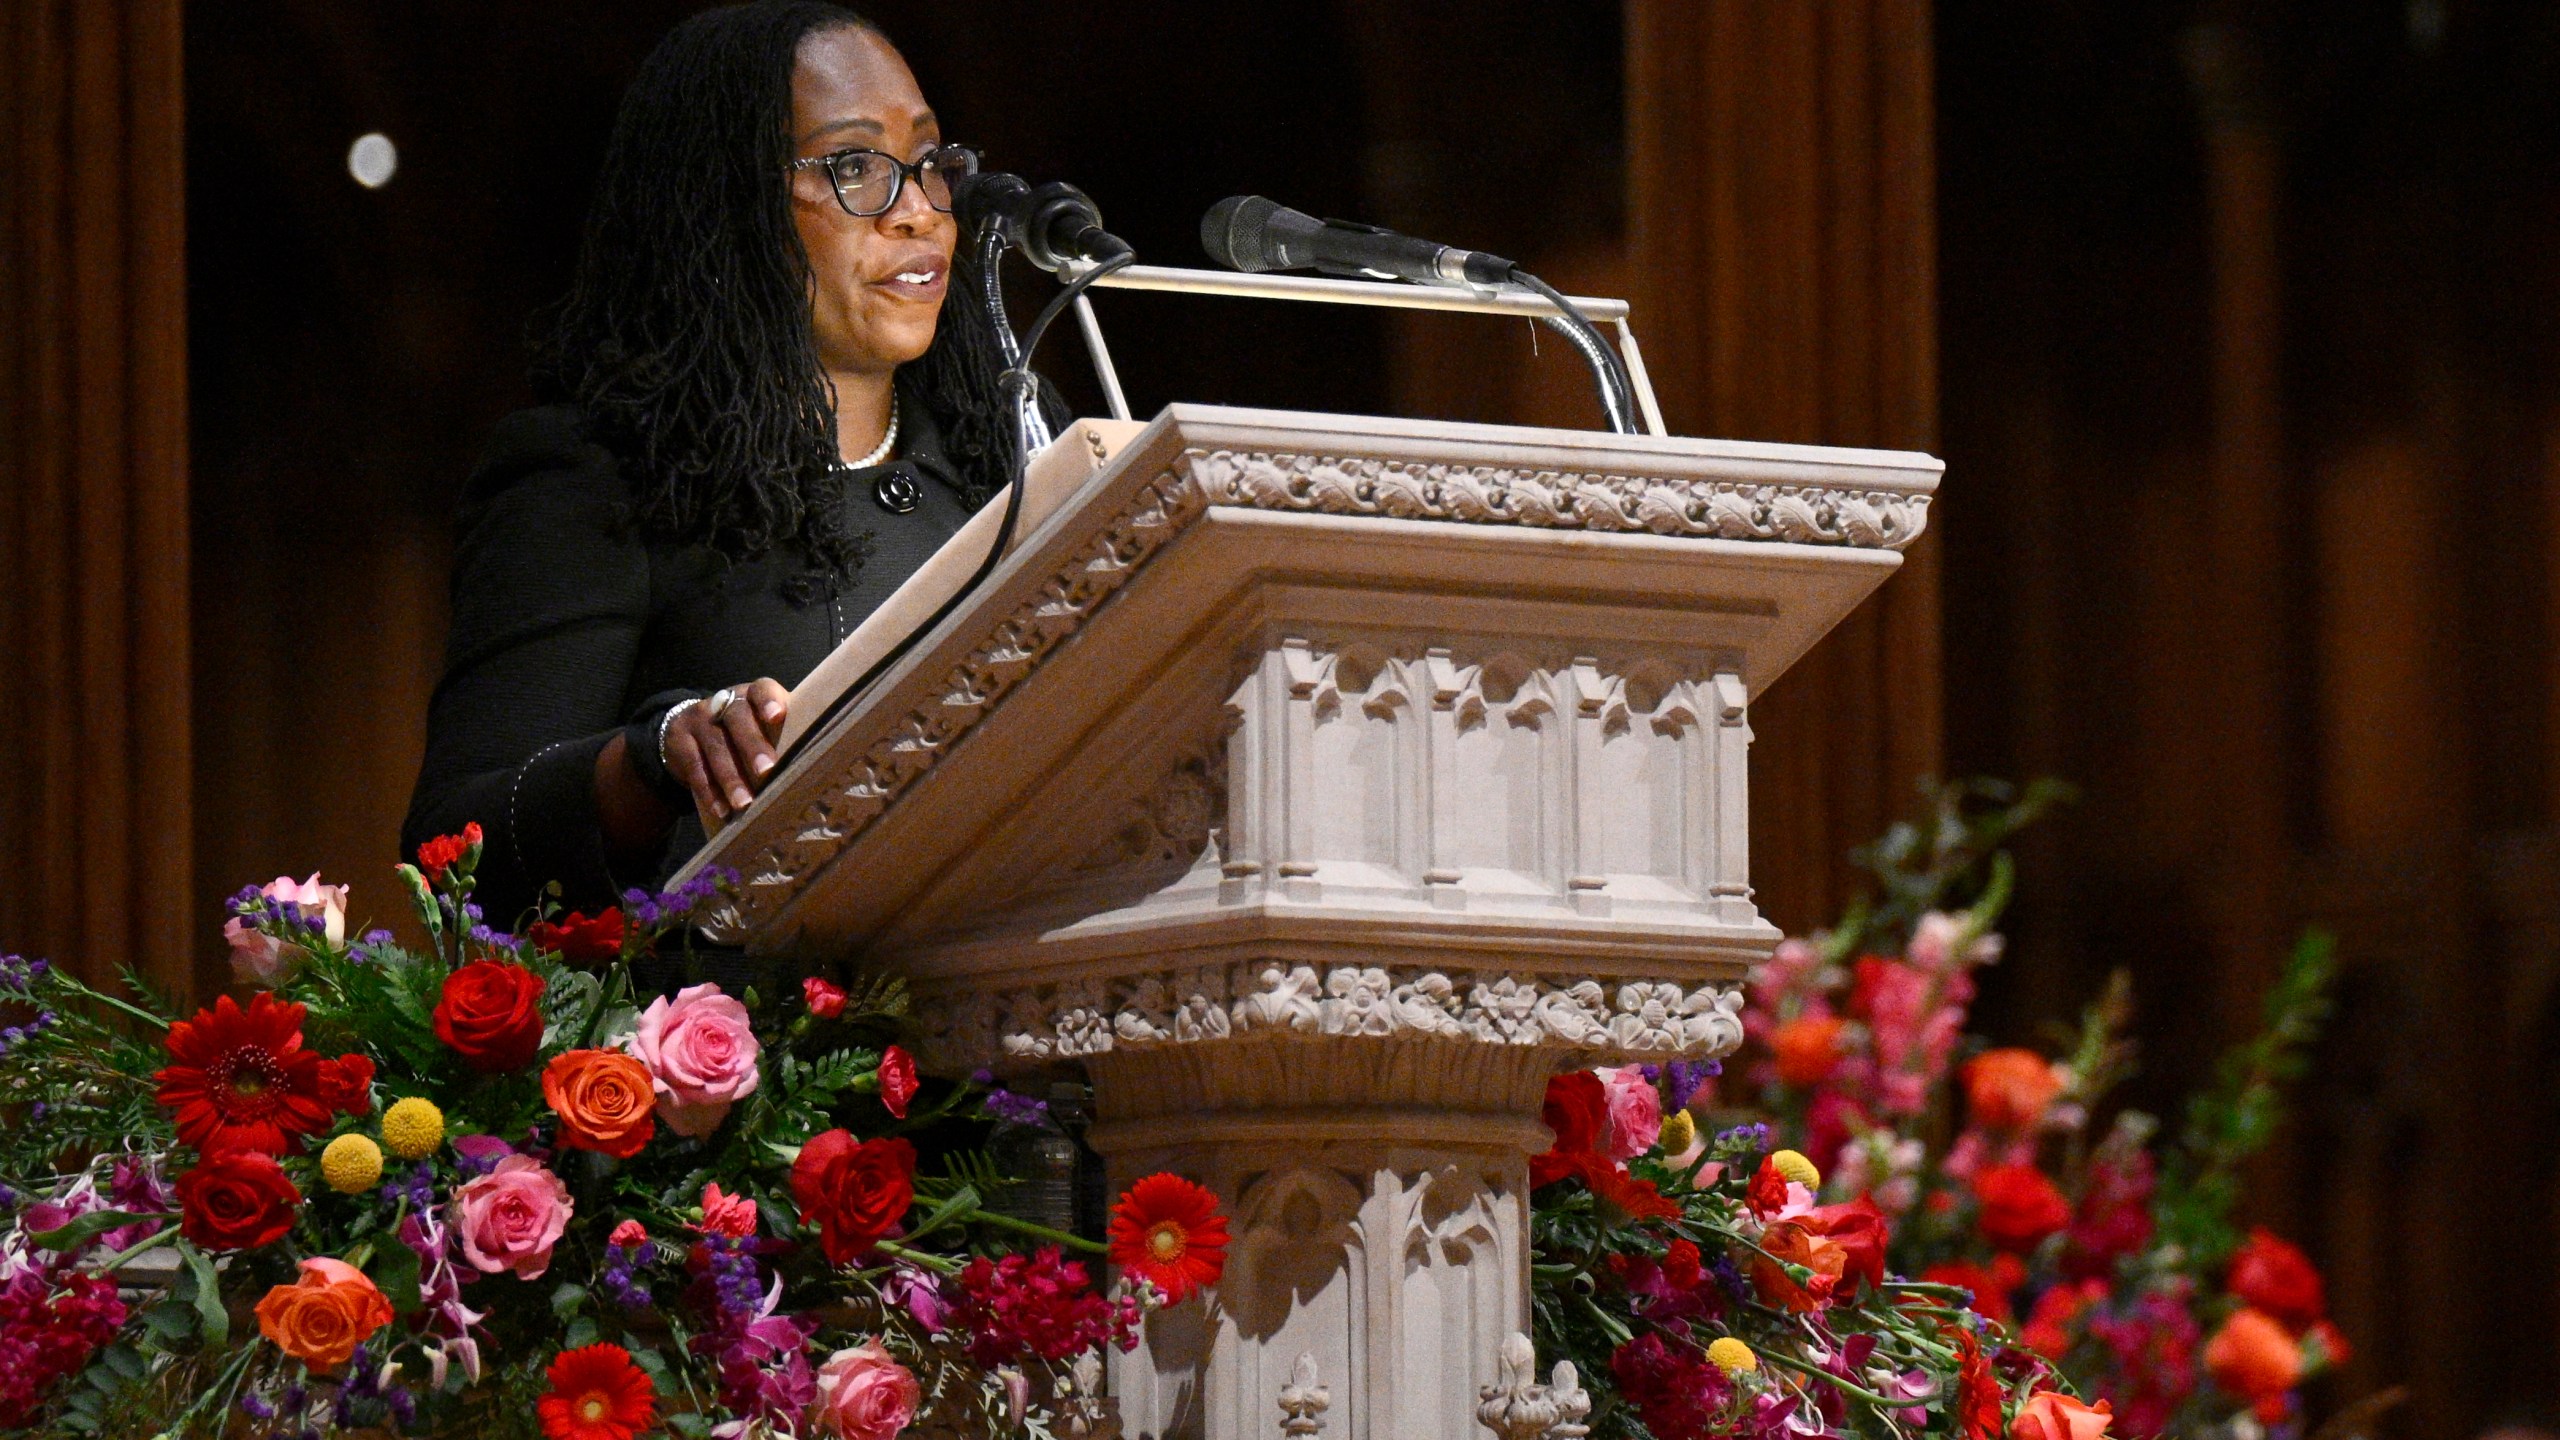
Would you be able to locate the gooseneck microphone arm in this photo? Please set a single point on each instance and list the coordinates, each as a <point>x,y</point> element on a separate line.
<point>1250,233</point>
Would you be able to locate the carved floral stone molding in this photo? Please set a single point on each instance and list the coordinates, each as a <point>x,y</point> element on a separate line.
<point>1548,499</point>
<point>1198,479</point>
<point>1073,1019</point>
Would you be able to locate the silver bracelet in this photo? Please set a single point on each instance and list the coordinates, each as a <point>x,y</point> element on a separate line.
<point>668,720</point>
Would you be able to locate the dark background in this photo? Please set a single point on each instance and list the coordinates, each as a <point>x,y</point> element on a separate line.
<point>2234,322</point>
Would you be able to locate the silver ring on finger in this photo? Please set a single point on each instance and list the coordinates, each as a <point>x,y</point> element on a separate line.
<point>720,701</point>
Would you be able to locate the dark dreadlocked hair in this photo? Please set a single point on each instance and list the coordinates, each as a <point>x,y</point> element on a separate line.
<point>685,335</point>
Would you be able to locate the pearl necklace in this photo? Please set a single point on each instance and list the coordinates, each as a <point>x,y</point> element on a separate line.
<point>888,442</point>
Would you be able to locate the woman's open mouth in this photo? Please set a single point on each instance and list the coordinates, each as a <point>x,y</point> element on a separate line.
<point>917,282</point>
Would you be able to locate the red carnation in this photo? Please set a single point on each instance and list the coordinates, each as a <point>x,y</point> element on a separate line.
<point>1641,1200</point>
<point>243,1080</point>
<point>491,1015</point>
<point>597,1394</point>
<point>2273,1275</point>
<point>580,939</point>
<point>825,998</point>
<point>346,1083</point>
<point>437,855</point>
<point>1682,1265</point>
<point>897,1080</point>
<point>1577,1110</point>
<point>1992,1285</point>
<point>1767,1192</point>
<point>1167,1231</point>
<point>855,1192</point>
<point>236,1200</point>
<point>2020,1206</point>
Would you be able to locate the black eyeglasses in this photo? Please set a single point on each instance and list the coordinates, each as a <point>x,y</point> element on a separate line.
<point>868,182</point>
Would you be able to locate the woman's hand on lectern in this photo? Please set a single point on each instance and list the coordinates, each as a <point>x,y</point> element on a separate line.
<point>723,751</point>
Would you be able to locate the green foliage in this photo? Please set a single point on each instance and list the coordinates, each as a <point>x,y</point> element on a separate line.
<point>2235,1117</point>
<point>1951,858</point>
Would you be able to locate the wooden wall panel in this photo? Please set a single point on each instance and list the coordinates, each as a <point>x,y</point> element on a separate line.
<point>1782,243</point>
<point>94,824</point>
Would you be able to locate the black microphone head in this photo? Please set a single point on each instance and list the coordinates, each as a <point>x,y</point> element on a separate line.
<point>1249,233</point>
<point>988,197</point>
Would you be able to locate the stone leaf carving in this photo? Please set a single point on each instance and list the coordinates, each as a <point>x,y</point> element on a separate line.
<point>1498,495</point>
<point>1069,1020</point>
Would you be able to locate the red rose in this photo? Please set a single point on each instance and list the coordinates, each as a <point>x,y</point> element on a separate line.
<point>2272,1275</point>
<point>1577,1110</point>
<point>2020,1206</point>
<point>491,1015</point>
<point>346,1084</point>
<point>236,1200</point>
<point>826,1000</point>
<point>580,939</point>
<point>897,1080</point>
<point>855,1192</point>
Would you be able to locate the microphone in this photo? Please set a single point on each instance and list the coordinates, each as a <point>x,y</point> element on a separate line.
<point>1249,233</point>
<point>1053,225</point>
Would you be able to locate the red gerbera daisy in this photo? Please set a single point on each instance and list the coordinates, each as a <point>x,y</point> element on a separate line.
<point>243,1080</point>
<point>597,1394</point>
<point>1167,1231</point>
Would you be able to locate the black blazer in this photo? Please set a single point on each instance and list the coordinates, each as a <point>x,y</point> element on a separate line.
<point>568,624</point>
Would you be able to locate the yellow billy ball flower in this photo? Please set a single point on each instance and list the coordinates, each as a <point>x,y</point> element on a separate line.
<point>1793,1165</point>
<point>1679,1132</point>
<point>1732,1356</point>
<point>413,1128</point>
<point>352,1164</point>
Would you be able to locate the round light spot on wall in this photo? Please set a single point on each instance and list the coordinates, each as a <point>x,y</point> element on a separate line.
<point>372,160</point>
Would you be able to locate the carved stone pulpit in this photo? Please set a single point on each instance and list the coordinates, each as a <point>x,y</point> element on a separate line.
<point>1320,786</point>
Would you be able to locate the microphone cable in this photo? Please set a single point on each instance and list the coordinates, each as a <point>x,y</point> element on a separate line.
<point>1023,388</point>
<point>1617,392</point>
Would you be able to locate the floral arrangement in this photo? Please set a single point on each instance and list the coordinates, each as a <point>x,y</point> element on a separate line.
<point>493,1188</point>
<point>1868,1222</point>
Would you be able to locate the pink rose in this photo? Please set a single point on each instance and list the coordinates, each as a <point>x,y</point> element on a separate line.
<point>329,902</point>
<point>258,959</point>
<point>264,961</point>
<point>1635,1110</point>
<point>511,1217</point>
<point>863,1394</point>
<point>702,1054</point>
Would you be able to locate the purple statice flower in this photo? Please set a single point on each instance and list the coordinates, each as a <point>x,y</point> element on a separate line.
<point>735,1282</point>
<point>1740,1140</point>
<point>20,974</point>
<point>619,1283</point>
<point>1015,1109</point>
<point>1685,1078</point>
<point>257,1406</point>
<point>1728,1276</point>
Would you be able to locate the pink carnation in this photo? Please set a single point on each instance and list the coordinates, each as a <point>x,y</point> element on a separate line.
<point>864,1394</point>
<point>511,1217</point>
<point>1635,1110</point>
<point>724,1214</point>
<point>702,1055</point>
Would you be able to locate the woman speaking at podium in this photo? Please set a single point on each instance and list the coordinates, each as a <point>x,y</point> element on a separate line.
<point>765,414</point>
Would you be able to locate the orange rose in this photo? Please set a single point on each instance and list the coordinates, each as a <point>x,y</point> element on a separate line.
<point>604,1101</point>
<point>1790,1242</point>
<point>321,1318</point>
<point>2052,1415</point>
<point>1807,1047</point>
<point>2010,1089</point>
<point>2255,1359</point>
